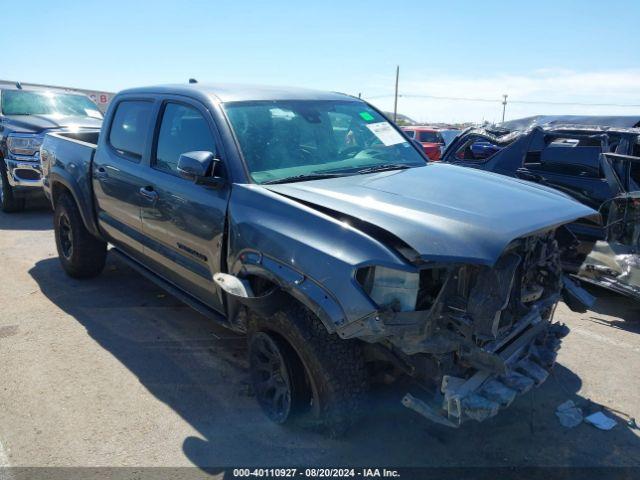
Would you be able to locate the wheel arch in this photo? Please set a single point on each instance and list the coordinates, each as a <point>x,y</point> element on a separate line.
<point>64,184</point>
<point>281,284</point>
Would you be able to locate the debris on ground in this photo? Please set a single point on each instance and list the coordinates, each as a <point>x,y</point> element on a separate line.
<point>569,415</point>
<point>601,421</point>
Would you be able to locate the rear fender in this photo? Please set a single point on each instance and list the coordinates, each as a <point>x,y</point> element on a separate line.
<point>62,179</point>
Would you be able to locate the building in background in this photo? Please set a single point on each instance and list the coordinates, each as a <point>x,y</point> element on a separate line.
<point>101,98</point>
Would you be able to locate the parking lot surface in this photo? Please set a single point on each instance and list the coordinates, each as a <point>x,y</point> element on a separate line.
<point>114,372</point>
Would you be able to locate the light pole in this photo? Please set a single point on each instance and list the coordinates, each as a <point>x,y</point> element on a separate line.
<point>504,105</point>
<point>395,102</point>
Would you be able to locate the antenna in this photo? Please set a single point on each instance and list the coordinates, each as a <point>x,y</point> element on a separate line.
<point>18,85</point>
<point>193,80</point>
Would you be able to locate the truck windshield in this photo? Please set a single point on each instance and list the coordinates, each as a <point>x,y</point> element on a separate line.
<point>24,102</point>
<point>294,140</point>
<point>430,137</point>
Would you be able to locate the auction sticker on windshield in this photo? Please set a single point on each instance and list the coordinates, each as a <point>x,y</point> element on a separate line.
<point>386,133</point>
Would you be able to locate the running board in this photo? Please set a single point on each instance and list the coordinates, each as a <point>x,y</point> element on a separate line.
<point>170,288</point>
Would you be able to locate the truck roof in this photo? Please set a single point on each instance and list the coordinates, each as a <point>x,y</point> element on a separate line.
<point>231,92</point>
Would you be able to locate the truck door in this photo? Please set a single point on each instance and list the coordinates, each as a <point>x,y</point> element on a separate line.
<point>118,170</point>
<point>183,223</point>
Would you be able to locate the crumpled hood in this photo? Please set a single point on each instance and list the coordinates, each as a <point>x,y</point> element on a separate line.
<point>40,123</point>
<point>444,212</point>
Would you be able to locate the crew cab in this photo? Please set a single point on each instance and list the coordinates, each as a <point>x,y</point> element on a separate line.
<point>309,222</point>
<point>26,115</point>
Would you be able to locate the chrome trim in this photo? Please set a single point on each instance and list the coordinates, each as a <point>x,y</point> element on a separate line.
<point>15,180</point>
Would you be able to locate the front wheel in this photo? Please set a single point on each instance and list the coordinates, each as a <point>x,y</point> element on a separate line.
<point>303,375</point>
<point>81,254</point>
<point>8,202</point>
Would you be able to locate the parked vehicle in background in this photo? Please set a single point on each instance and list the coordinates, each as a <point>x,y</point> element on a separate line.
<point>25,116</point>
<point>596,160</point>
<point>307,221</point>
<point>430,138</point>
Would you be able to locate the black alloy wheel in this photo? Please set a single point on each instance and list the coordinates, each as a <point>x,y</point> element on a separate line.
<point>65,234</point>
<point>272,376</point>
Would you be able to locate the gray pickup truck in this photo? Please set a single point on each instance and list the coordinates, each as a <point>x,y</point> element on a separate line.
<point>26,115</point>
<point>309,222</point>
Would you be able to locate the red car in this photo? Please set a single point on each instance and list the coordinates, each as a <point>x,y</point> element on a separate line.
<point>431,140</point>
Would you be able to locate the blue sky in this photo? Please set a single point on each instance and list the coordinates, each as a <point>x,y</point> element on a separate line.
<point>560,51</point>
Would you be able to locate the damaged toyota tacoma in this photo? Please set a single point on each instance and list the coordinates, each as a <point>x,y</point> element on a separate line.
<point>309,222</point>
<point>594,159</point>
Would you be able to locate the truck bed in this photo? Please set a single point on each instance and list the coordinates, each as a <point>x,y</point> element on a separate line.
<point>67,157</point>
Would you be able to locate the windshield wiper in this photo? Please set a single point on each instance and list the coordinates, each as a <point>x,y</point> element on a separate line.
<point>384,167</point>
<point>303,177</point>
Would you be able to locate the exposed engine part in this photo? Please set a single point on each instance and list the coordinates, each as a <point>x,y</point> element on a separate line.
<point>482,395</point>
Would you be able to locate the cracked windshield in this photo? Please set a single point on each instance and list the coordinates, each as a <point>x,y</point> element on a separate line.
<point>285,141</point>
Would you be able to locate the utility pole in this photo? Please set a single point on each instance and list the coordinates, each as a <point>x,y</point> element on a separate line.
<point>395,103</point>
<point>504,105</point>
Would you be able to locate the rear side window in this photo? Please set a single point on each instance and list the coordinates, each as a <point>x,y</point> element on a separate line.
<point>183,129</point>
<point>129,127</point>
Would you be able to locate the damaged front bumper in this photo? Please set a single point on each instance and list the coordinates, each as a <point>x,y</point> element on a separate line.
<point>527,361</point>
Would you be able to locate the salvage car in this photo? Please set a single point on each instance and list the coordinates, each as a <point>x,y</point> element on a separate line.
<point>596,160</point>
<point>309,222</point>
<point>26,114</point>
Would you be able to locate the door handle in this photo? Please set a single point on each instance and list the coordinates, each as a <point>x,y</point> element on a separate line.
<point>101,172</point>
<point>148,193</point>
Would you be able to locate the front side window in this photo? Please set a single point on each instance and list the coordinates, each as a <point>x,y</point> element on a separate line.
<point>130,126</point>
<point>281,140</point>
<point>183,129</point>
<point>26,102</point>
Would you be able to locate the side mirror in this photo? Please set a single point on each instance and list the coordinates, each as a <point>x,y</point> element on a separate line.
<point>200,167</point>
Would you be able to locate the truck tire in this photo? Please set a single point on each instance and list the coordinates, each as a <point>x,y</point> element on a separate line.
<point>8,202</point>
<point>303,375</point>
<point>81,254</point>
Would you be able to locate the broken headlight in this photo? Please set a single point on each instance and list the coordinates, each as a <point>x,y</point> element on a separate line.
<point>390,288</point>
<point>401,290</point>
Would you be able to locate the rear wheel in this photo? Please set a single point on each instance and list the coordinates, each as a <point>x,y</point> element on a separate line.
<point>81,254</point>
<point>8,202</point>
<point>303,375</point>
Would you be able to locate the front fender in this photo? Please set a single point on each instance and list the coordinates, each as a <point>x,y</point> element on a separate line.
<point>304,289</point>
<point>307,253</point>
